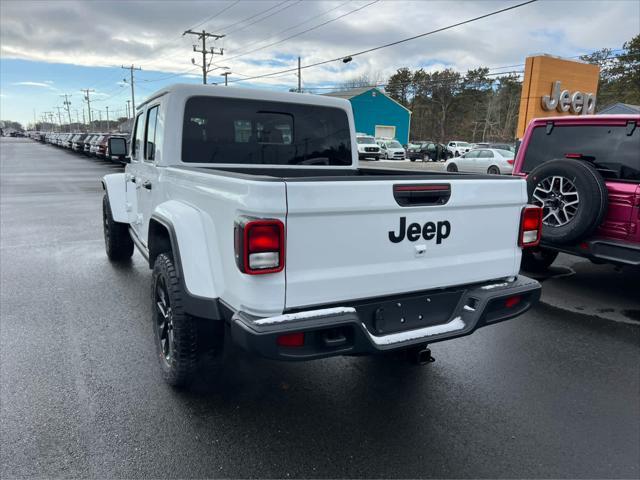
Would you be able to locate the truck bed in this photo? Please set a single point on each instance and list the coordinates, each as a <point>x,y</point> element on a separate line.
<point>335,175</point>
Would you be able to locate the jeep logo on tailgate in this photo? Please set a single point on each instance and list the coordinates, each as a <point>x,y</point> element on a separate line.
<point>428,231</point>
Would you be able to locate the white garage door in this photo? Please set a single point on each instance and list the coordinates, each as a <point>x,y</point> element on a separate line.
<point>385,131</point>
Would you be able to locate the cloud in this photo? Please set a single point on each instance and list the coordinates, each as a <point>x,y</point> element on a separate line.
<point>132,33</point>
<point>35,84</point>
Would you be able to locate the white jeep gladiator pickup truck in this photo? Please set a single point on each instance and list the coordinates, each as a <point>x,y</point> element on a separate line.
<point>260,227</point>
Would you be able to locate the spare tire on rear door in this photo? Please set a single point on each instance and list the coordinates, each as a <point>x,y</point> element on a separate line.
<point>573,196</point>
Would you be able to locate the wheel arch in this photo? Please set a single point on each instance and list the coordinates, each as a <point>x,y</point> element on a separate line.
<point>178,228</point>
<point>114,186</point>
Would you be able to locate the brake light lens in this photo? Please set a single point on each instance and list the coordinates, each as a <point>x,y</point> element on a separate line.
<point>259,245</point>
<point>530,226</point>
<point>512,301</point>
<point>510,161</point>
<point>291,340</point>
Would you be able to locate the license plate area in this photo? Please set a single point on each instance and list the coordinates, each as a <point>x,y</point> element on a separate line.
<point>409,312</point>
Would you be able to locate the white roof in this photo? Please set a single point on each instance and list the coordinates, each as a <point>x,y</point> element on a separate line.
<point>190,90</point>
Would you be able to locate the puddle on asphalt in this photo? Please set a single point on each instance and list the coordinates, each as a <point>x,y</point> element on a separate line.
<point>632,314</point>
<point>552,272</point>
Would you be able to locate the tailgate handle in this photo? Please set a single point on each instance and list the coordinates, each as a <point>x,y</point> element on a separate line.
<point>415,195</point>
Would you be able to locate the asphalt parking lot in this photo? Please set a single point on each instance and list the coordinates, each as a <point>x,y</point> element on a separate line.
<point>555,393</point>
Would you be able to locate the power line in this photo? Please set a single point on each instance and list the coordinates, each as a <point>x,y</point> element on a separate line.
<point>252,16</point>
<point>315,27</point>
<point>217,14</point>
<point>293,4</point>
<point>414,37</point>
<point>272,36</point>
<point>299,24</point>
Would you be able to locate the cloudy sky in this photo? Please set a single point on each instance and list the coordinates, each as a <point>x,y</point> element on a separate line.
<point>57,47</point>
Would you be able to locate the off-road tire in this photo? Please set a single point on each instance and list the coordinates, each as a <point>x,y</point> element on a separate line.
<point>537,260</point>
<point>197,342</point>
<point>117,241</point>
<point>593,198</point>
<point>180,368</point>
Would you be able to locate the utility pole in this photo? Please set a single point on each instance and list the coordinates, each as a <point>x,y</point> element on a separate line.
<point>133,97</point>
<point>48,116</point>
<point>299,77</point>
<point>107,118</point>
<point>128,108</point>
<point>67,105</point>
<point>47,119</point>
<point>225,75</point>
<point>212,51</point>
<point>59,117</point>
<point>100,120</point>
<point>77,118</point>
<point>84,121</point>
<point>86,97</point>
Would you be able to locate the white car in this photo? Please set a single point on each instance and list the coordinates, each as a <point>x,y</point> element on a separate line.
<point>483,160</point>
<point>391,149</point>
<point>367,147</point>
<point>274,238</point>
<point>458,148</point>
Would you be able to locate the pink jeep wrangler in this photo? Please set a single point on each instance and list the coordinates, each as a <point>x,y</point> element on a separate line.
<point>585,173</point>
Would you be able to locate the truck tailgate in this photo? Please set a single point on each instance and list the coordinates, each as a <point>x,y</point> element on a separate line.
<point>345,242</point>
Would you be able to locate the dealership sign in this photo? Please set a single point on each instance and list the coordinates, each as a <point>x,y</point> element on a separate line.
<point>565,101</point>
<point>556,86</point>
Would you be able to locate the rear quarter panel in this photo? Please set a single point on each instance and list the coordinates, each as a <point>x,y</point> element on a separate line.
<point>220,200</point>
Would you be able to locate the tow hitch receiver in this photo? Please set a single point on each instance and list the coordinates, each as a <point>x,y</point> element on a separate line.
<point>420,355</point>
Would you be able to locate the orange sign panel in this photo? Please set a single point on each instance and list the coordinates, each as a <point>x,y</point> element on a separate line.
<point>555,86</point>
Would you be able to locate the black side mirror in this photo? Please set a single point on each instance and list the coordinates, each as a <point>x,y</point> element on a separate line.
<point>118,149</point>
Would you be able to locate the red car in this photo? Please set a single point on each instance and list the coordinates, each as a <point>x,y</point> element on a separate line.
<point>585,173</point>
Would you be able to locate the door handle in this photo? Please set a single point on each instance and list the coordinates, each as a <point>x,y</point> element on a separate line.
<point>147,184</point>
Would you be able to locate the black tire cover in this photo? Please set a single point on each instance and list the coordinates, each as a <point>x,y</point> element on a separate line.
<point>592,195</point>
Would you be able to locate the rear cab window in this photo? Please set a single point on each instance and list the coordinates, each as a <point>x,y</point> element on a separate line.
<point>254,132</point>
<point>613,149</point>
<point>137,144</point>
<point>150,135</point>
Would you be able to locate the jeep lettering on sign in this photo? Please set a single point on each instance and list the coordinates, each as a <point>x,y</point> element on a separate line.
<point>563,101</point>
<point>439,230</point>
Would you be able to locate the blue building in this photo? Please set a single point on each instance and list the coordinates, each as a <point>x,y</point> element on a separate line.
<point>377,114</point>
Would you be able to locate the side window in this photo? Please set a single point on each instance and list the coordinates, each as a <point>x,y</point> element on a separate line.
<point>486,154</point>
<point>150,135</point>
<point>472,154</point>
<point>136,145</point>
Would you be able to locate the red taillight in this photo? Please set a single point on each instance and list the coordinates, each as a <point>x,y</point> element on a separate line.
<point>259,246</point>
<point>512,301</point>
<point>264,238</point>
<point>510,161</point>
<point>573,155</point>
<point>530,226</point>
<point>291,340</point>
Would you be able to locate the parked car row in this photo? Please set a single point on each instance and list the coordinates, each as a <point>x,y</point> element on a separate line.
<point>428,151</point>
<point>483,160</point>
<point>373,148</point>
<point>92,144</point>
